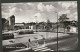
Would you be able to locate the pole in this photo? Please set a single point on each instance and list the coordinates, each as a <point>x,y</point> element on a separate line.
<point>47,29</point>
<point>57,31</point>
<point>36,23</point>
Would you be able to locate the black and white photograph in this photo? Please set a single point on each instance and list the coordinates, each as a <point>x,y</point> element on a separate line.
<point>39,26</point>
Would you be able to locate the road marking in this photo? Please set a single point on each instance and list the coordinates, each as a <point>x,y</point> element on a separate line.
<point>23,49</point>
<point>46,50</point>
<point>42,48</point>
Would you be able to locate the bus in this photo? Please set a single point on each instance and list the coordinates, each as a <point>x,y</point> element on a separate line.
<point>7,35</point>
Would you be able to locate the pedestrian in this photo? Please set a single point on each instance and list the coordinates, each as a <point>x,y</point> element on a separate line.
<point>44,40</point>
<point>68,28</point>
<point>37,42</point>
<point>29,42</point>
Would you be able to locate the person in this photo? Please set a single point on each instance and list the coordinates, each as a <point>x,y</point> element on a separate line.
<point>37,42</point>
<point>44,40</point>
<point>68,28</point>
<point>29,42</point>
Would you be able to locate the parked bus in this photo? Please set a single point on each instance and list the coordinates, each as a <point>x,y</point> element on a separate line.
<point>7,35</point>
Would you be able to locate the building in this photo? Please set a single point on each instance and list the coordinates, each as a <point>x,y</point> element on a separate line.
<point>9,23</point>
<point>18,26</point>
<point>11,20</point>
<point>71,26</point>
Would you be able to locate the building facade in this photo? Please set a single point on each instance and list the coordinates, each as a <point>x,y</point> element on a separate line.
<point>11,20</point>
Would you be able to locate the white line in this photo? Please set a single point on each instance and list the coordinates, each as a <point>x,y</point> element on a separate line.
<point>46,50</point>
<point>23,49</point>
<point>40,48</point>
<point>51,50</point>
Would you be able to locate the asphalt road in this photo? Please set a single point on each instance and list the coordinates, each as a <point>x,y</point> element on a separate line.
<point>70,43</point>
<point>25,37</point>
<point>65,43</point>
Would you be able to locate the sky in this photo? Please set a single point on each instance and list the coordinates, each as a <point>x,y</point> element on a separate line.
<point>39,11</point>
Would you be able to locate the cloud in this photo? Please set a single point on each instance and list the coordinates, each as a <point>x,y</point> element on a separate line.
<point>74,4</point>
<point>47,8</point>
<point>20,9</point>
<point>65,5</point>
<point>13,10</point>
<point>68,4</point>
<point>28,11</point>
<point>38,14</point>
<point>39,17</point>
<point>4,15</point>
<point>8,12</point>
<point>50,8</point>
<point>41,7</point>
<point>19,19</point>
<point>64,12</point>
<point>73,16</point>
<point>8,9</point>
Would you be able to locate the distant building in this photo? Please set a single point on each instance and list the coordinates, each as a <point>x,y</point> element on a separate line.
<point>9,23</point>
<point>18,26</point>
<point>11,20</point>
<point>22,26</point>
<point>72,26</point>
<point>31,27</point>
<point>73,29</point>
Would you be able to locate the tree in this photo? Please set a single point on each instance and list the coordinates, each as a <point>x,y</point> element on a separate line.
<point>48,25</point>
<point>43,23</point>
<point>62,19</point>
<point>4,22</point>
<point>24,25</point>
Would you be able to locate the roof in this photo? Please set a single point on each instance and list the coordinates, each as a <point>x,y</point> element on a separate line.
<point>19,24</point>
